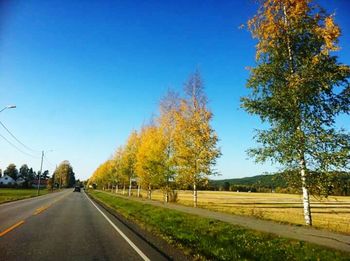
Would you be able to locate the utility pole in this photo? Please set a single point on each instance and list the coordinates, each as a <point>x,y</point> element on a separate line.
<point>41,169</point>
<point>60,179</point>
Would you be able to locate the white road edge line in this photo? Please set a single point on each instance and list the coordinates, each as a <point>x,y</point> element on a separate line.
<point>144,257</point>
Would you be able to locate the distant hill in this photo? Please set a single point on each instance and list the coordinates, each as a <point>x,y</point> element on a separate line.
<point>276,180</point>
<point>338,183</point>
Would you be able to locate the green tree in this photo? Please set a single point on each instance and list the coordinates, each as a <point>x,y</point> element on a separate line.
<point>24,171</point>
<point>11,171</point>
<point>31,174</point>
<point>299,89</point>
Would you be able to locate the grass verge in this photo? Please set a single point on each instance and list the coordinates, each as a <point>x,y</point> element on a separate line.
<point>10,194</point>
<point>206,238</point>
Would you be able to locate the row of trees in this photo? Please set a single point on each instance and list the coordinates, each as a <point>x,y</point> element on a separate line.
<point>24,172</point>
<point>176,149</point>
<point>297,88</point>
<point>63,176</point>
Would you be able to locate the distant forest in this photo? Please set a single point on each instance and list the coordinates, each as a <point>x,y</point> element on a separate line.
<point>336,183</point>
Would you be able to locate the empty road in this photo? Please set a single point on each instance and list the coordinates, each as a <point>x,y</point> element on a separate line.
<point>67,226</point>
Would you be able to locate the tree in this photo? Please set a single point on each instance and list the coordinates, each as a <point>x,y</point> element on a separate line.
<point>31,174</point>
<point>64,175</point>
<point>45,175</point>
<point>24,171</point>
<point>11,171</point>
<point>298,88</point>
<point>128,159</point>
<point>169,105</point>
<point>151,159</point>
<point>195,141</point>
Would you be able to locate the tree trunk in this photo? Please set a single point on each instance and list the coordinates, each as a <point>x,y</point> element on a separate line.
<point>116,188</point>
<point>195,195</point>
<point>306,197</point>
<point>129,188</point>
<point>123,188</point>
<point>138,190</point>
<point>166,196</point>
<point>149,192</point>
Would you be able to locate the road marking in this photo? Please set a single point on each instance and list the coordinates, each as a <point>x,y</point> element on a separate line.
<point>144,257</point>
<point>41,209</point>
<point>11,228</point>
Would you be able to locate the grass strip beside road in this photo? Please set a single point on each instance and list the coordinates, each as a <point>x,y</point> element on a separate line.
<point>212,239</point>
<point>10,194</point>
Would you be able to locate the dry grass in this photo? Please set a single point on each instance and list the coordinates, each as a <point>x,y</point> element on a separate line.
<point>331,213</point>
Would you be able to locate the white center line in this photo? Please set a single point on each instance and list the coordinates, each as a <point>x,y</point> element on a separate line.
<point>144,257</point>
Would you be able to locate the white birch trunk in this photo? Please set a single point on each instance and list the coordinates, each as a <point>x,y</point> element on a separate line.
<point>138,190</point>
<point>149,192</point>
<point>306,197</point>
<point>195,195</point>
<point>129,194</point>
<point>166,196</point>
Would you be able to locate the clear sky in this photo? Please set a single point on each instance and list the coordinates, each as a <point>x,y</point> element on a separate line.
<point>84,74</point>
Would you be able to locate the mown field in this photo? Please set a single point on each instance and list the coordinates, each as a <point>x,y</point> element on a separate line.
<point>332,213</point>
<point>208,239</point>
<point>10,194</point>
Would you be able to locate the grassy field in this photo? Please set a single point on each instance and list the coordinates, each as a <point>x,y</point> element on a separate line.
<point>10,194</point>
<point>331,213</point>
<point>205,238</point>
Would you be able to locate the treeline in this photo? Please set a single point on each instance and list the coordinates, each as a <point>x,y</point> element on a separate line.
<point>177,149</point>
<point>24,177</point>
<point>332,183</point>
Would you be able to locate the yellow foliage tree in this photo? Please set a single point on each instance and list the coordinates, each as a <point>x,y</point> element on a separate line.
<point>195,141</point>
<point>128,158</point>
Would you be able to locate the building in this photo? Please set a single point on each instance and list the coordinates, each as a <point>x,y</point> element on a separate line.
<point>20,181</point>
<point>43,183</point>
<point>7,181</point>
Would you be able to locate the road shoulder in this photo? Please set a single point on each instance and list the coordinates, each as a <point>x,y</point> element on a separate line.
<point>159,244</point>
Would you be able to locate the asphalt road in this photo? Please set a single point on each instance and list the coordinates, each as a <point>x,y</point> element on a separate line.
<point>67,226</point>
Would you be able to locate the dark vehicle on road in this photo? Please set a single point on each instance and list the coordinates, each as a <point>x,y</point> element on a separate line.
<point>76,189</point>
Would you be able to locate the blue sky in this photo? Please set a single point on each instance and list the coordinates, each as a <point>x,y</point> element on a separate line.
<point>84,74</point>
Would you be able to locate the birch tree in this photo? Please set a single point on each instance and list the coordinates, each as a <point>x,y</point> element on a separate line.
<point>128,159</point>
<point>195,141</point>
<point>169,105</point>
<point>150,158</point>
<point>299,88</point>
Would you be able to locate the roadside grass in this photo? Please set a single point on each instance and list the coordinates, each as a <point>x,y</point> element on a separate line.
<point>205,238</point>
<point>12,194</point>
<point>332,213</point>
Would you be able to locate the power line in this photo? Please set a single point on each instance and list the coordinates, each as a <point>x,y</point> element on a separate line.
<point>9,142</point>
<point>51,164</point>
<point>13,136</point>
